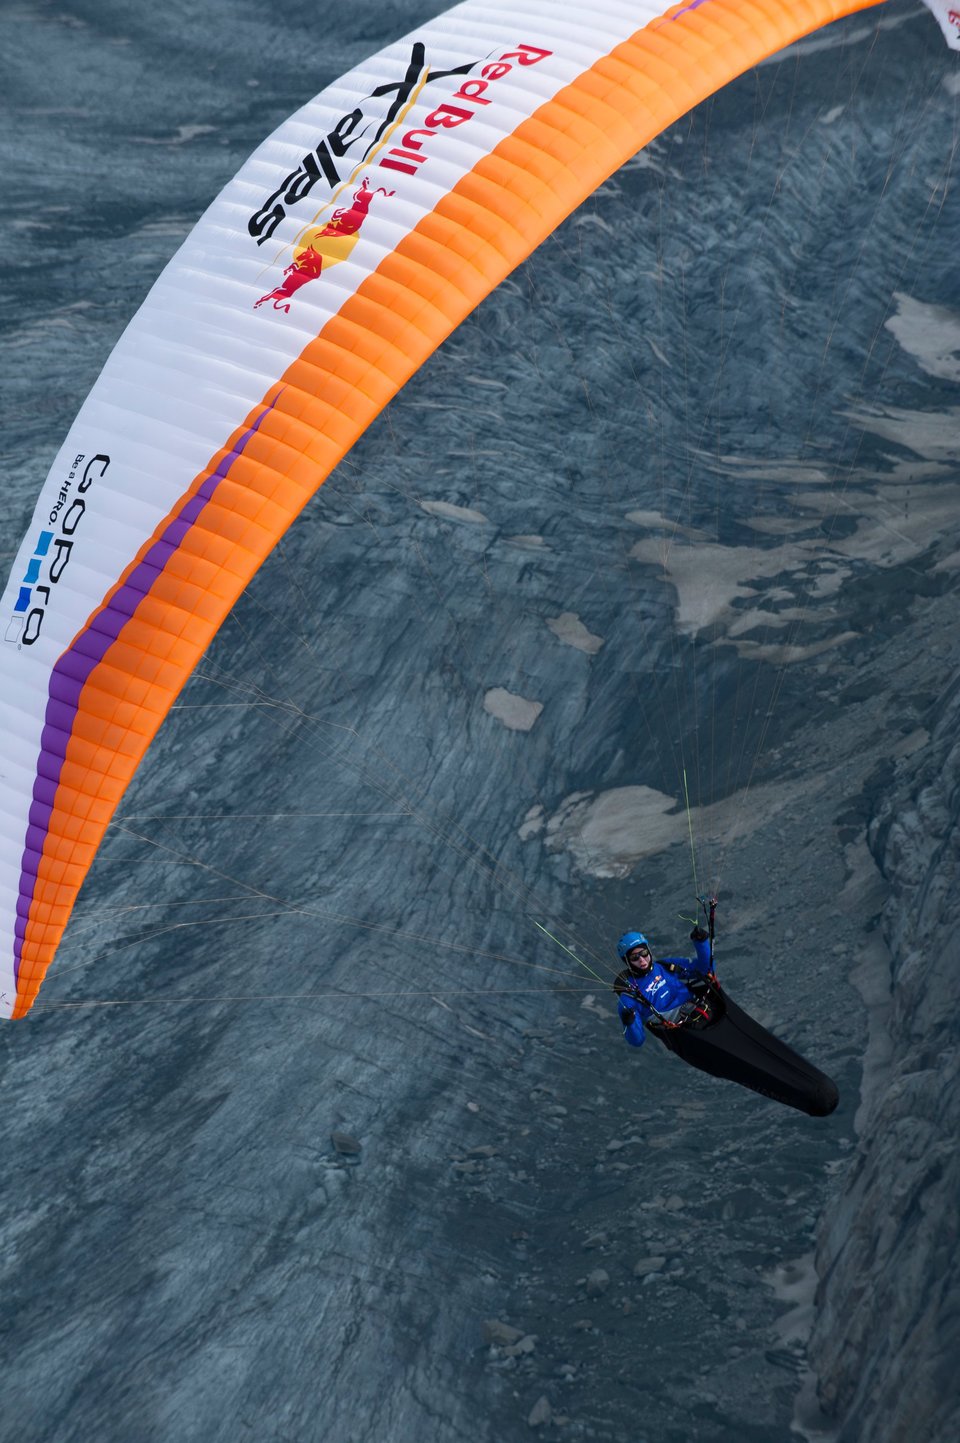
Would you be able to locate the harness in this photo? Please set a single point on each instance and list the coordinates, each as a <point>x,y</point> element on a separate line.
<point>668,1025</point>
<point>625,983</point>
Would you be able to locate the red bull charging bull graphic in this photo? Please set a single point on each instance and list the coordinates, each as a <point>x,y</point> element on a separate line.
<point>324,246</point>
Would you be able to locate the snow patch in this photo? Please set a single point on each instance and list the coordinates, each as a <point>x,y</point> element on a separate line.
<point>607,833</point>
<point>930,334</point>
<point>568,628</point>
<point>515,712</point>
<point>532,824</point>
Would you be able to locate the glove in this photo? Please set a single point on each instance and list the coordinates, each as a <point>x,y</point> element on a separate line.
<point>627,1016</point>
<point>699,934</point>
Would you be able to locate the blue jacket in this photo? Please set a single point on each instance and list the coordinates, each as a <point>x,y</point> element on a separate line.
<point>660,991</point>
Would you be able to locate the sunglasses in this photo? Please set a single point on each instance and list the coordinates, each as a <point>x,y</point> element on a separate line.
<point>636,953</point>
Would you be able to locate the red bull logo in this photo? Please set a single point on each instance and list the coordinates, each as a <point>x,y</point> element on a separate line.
<point>381,120</point>
<point>323,246</point>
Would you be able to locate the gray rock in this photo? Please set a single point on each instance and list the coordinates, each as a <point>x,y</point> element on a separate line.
<point>500,1334</point>
<point>540,1413</point>
<point>344,1145</point>
<point>746,1202</point>
<point>648,1265</point>
<point>597,1283</point>
<point>522,1348</point>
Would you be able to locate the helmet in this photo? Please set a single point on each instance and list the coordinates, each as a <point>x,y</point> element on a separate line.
<point>628,941</point>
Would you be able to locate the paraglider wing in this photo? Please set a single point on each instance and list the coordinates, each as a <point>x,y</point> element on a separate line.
<point>349,245</point>
<point>948,18</point>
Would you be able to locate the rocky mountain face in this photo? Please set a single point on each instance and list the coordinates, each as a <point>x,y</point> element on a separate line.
<point>887,1329</point>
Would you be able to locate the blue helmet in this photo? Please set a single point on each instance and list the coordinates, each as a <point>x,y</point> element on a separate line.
<point>628,941</point>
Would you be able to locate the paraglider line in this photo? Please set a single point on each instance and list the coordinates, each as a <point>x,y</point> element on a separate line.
<point>583,964</point>
<point>304,996</point>
<point>693,853</point>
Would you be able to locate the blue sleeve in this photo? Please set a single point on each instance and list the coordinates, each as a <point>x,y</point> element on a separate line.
<point>633,1032</point>
<point>704,962</point>
<point>701,964</point>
